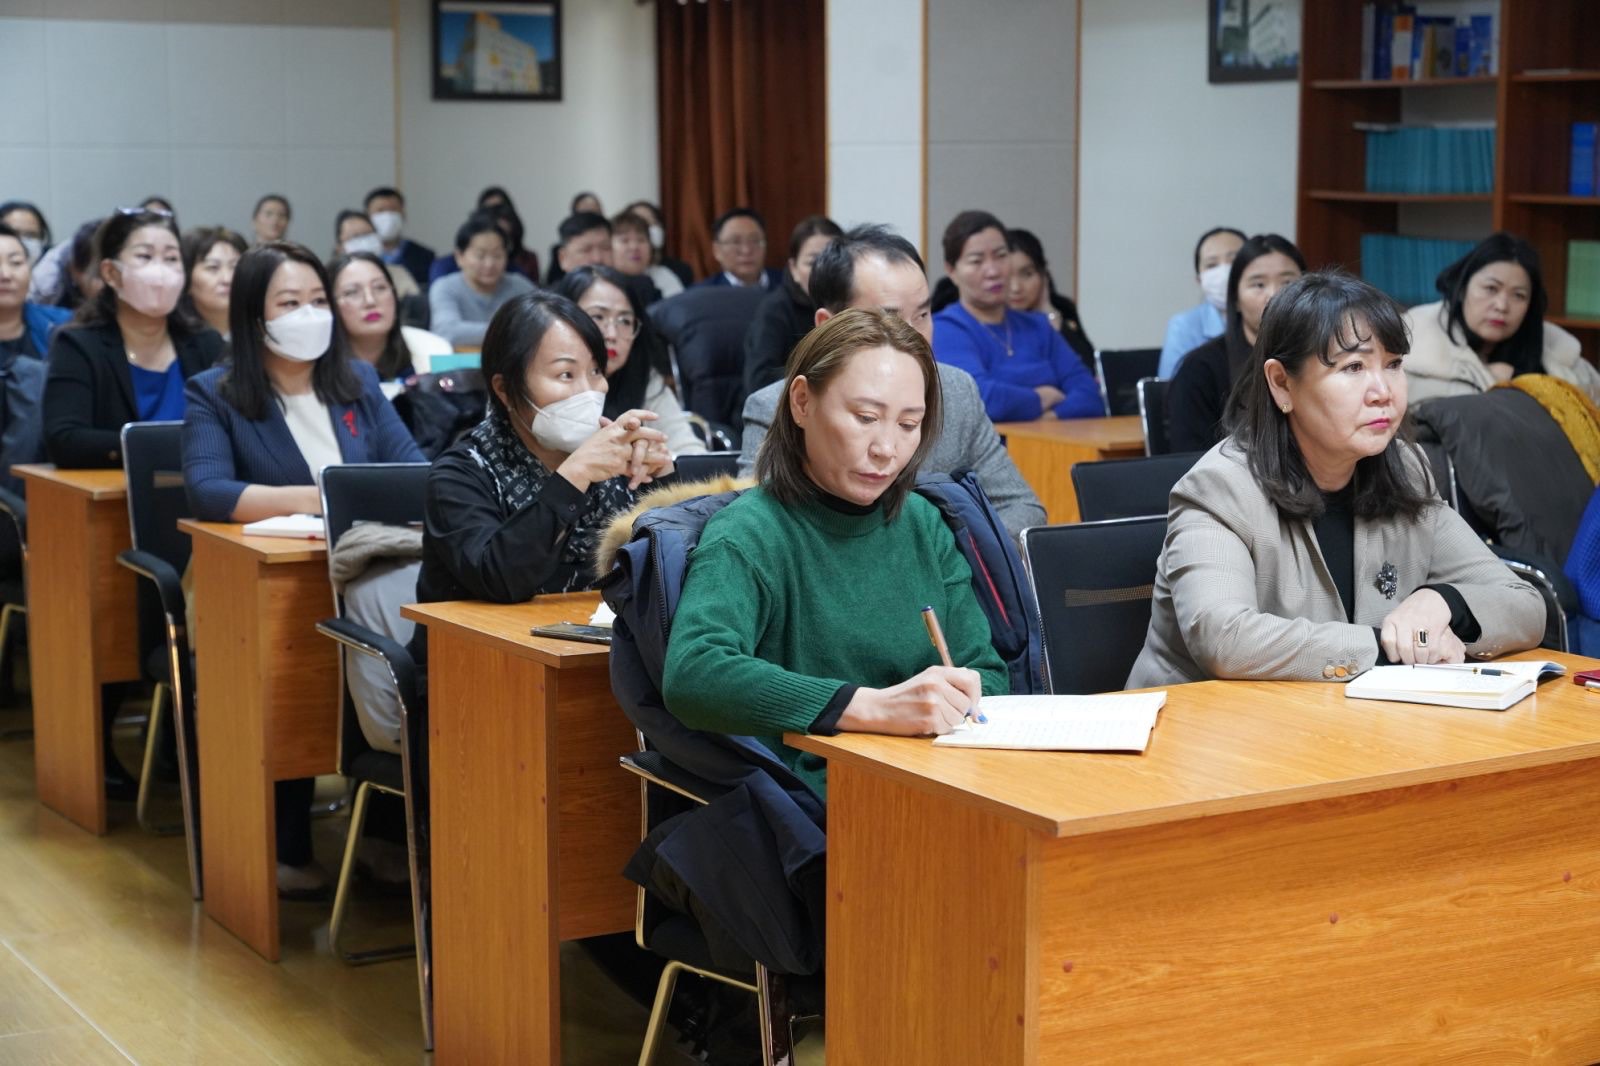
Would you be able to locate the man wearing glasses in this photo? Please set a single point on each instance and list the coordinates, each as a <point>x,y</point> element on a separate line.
<point>739,242</point>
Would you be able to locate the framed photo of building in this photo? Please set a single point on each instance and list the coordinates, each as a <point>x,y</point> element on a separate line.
<point>1253,40</point>
<point>497,49</point>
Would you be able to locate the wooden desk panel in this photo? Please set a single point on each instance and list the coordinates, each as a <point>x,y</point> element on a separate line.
<point>267,696</point>
<point>520,726</point>
<point>1426,889</point>
<point>83,629</point>
<point>1046,451</point>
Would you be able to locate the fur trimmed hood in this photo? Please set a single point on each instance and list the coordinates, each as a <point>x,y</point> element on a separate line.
<point>620,529</point>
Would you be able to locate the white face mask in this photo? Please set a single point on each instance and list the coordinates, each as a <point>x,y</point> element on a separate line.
<point>564,425</point>
<point>367,242</point>
<point>658,236</point>
<point>388,224</point>
<point>1214,285</point>
<point>34,247</point>
<point>303,334</point>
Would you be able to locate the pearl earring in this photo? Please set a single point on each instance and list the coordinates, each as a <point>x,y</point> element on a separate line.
<point>1284,407</point>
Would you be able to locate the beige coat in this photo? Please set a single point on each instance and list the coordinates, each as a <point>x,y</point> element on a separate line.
<point>1440,366</point>
<point>1242,592</point>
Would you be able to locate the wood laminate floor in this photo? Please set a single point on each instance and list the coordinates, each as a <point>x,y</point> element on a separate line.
<point>104,958</point>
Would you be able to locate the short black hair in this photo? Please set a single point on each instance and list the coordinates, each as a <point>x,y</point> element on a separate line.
<point>282,199</point>
<point>7,231</point>
<point>481,222</point>
<point>1524,349</point>
<point>964,227</point>
<point>578,199</point>
<point>24,205</point>
<point>809,227</point>
<point>515,333</point>
<point>384,190</point>
<point>833,275</point>
<point>574,226</point>
<point>733,213</point>
<point>1253,248</point>
<point>346,215</point>
<point>1210,233</point>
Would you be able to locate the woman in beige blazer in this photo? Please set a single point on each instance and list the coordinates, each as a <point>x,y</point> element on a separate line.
<point>1310,544</point>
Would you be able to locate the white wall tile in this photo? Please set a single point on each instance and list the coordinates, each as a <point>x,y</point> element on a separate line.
<point>107,83</point>
<point>225,85</point>
<point>219,186</point>
<point>877,183</point>
<point>339,88</point>
<point>321,181</point>
<point>88,182</point>
<point>1028,185</point>
<point>25,175</point>
<point>25,71</point>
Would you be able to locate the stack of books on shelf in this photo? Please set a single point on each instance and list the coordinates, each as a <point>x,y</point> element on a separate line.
<point>1583,279</point>
<point>1442,39</point>
<point>1405,267</point>
<point>1433,159</point>
<point>1585,171</point>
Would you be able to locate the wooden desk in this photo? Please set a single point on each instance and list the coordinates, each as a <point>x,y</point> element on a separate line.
<point>533,820</point>
<point>267,709</point>
<point>1285,876</point>
<point>83,628</point>
<point>1045,451</point>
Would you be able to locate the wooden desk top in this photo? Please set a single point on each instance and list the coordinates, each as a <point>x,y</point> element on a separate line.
<point>1226,746</point>
<point>266,549</point>
<point>506,626</point>
<point>1122,431</point>
<point>95,484</point>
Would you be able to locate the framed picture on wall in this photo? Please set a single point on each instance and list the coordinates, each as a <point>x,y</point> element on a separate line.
<point>497,49</point>
<point>1253,40</point>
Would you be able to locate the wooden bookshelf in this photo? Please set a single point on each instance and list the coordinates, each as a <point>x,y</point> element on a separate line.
<point>1549,78</point>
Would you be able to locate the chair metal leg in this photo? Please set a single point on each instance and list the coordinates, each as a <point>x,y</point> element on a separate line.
<point>772,1010</point>
<point>8,617</point>
<point>658,1012</point>
<point>421,914</point>
<point>341,895</point>
<point>158,704</point>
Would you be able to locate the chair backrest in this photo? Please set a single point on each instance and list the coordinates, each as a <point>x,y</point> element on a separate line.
<point>705,466</point>
<point>1120,373</point>
<point>152,460</point>
<point>1555,623</point>
<point>1093,582</point>
<point>1444,472</point>
<point>1153,415</point>
<point>1128,488</point>
<point>388,493</point>
<point>706,327</point>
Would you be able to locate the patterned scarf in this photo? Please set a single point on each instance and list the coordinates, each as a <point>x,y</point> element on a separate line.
<point>519,477</point>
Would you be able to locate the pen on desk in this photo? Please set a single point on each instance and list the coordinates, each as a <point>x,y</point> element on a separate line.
<point>1453,668</point>
<point>936,635</point>
<point>1592,684</point>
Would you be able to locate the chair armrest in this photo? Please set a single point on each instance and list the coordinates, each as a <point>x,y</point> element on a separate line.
<point>655,768</point>
<point>17,508</point>
<point>360,639</point>
<point>159,572</point>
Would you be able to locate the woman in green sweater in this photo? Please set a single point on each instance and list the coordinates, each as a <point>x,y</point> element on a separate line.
<point>801,610</point>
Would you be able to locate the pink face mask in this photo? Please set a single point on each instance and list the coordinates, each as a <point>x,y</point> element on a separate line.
<point>150,288</point>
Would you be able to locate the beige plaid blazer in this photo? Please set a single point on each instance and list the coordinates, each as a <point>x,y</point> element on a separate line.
<point>1243,592</point>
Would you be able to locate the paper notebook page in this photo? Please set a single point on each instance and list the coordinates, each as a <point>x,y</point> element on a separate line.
<point>1464,682</point>
<point>1062,723</point>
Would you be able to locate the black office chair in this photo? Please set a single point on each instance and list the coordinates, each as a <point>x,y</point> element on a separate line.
<point>1093,582</point>
<point>389,493</point>
<point>1128,488</point>
<point>13,598</point>
<point>665,789</point>
<point>152,458</point>
<point>1120,373</point>
<point>705,327</point>
<point>1153,416</point>
<point>1444,472</point>
<point>705,466</point>
<point>1560,598</point>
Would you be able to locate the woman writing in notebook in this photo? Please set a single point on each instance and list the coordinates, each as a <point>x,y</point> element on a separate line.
<point>1311,544</point>
<point>801,609</point>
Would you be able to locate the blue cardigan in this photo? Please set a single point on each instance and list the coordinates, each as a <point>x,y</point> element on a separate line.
<point>1040,356</point>
<point>224,452</point>
<point>41,321</point>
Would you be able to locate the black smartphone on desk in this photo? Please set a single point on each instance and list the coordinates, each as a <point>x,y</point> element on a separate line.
<point>574,631</point>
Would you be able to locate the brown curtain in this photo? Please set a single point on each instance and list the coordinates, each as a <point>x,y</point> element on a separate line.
<point>742,125</point>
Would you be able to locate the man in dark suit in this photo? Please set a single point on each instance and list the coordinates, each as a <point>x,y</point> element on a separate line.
<point>739,242</point>
<point>387,209</point>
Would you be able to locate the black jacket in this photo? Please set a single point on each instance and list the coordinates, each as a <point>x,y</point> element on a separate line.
<point>1197,396</point>
<point>417,259</point>
<point>785,316</point>
<point>88,394</point>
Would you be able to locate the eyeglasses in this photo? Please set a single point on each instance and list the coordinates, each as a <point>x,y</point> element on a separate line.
<point>139,210</point>
<point>751,243</point>
<point>627,325</point>
<point>352,294</point>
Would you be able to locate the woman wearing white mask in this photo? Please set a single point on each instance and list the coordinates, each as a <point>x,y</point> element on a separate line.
<point>30,225</point>
<point>516,506</point>
<point>1187,330</point>
<point>259,431</point>
<point>354,232</point>
<point>127,354</point>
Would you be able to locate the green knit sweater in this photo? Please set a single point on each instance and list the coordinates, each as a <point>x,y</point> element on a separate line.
<point>784,605</point>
